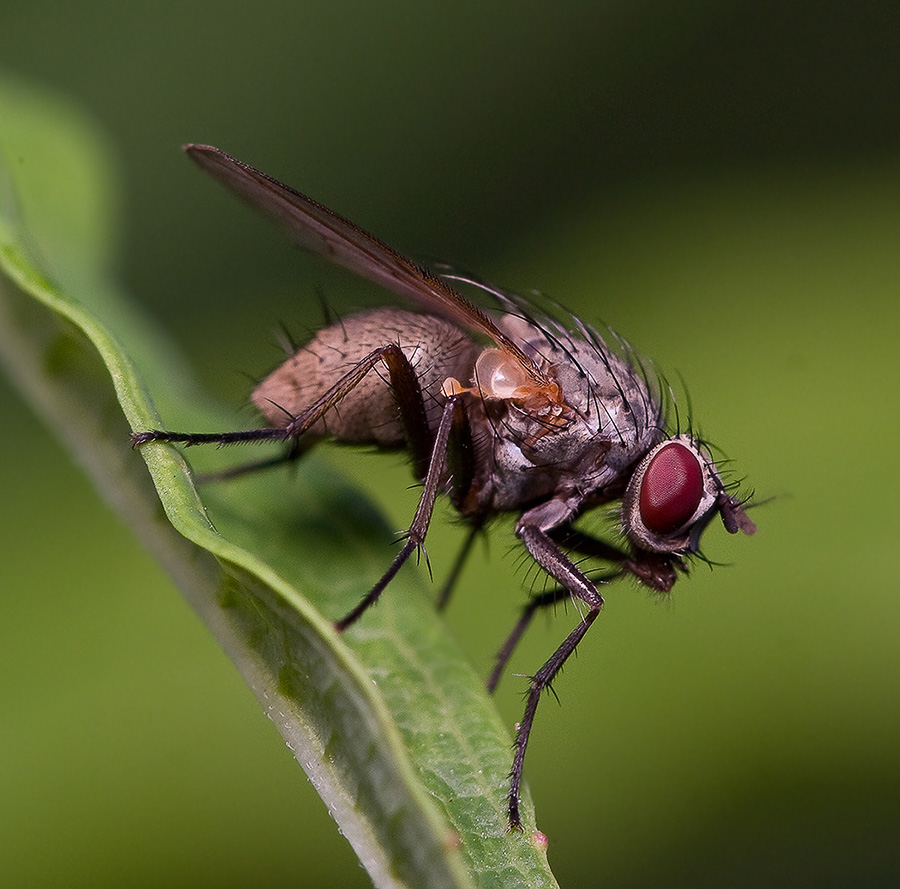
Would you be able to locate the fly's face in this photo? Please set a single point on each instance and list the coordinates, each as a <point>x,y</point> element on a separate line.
<point>674,493</point>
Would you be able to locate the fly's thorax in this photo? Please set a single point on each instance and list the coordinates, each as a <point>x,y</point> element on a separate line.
<point>610,420</point>
<point>368,413</point>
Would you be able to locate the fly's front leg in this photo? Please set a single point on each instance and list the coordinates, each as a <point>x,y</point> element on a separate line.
<point>544,600</point>
<point>655,570</point>
<point>555,562</point>
<point>452,416</point>
<point>577,541</point>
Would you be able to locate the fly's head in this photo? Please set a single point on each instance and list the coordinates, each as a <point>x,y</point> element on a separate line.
<point>673,495</point>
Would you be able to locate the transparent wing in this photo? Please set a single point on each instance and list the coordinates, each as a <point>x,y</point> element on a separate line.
<point>319,229</point>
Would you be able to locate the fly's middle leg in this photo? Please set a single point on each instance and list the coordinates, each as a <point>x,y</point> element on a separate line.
<point>452,417</point>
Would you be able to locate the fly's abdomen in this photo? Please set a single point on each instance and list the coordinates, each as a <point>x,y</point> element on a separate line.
<point>368,414</point>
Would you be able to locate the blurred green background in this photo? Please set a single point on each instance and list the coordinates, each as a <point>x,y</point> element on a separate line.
<point>718,181</point>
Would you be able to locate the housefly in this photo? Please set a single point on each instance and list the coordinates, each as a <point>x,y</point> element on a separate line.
<point>505,410</point>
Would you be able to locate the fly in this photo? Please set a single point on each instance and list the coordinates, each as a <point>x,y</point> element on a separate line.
<point>504,411</point>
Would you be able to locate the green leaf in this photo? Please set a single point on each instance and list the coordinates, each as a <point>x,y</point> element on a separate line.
<point>389,721</point>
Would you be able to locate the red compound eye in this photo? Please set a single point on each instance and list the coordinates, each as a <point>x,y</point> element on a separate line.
<point>671,489</point>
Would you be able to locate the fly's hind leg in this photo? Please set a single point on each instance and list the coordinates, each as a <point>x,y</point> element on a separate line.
<point>404,384</point>
<point>292,454</point>
<point>428,453</point>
